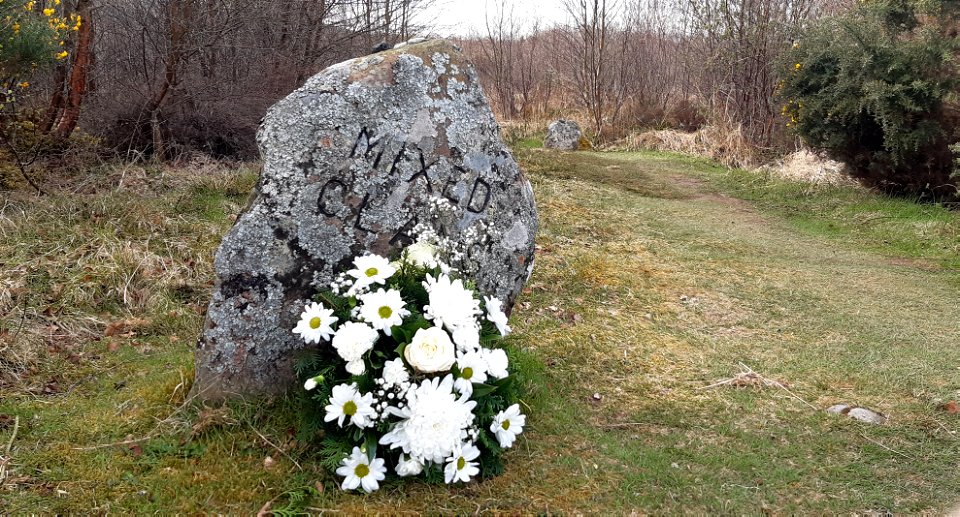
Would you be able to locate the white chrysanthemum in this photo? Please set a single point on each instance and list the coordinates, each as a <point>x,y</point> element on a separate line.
<point>353,339</point>
<point>371,269</point>
<point>451,304</point>
<point>408,467</point>
<point>507,425</point>
<point>383,309</point>
<point>459,465</point>
<point>395,373</point>
<point>472,369</point>
<point>359,471</point>
<point>467,338</point>
<point>421,253</point>
<point>434,422</point>
<point>496,315</point>
<point>347,402</point>
<point>315,323</point>
<point>497,362</point>
<point>356,367</point>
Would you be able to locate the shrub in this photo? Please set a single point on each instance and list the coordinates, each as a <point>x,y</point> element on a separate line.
<point>872,87</point>
<point>32,158</point>
<point>31,36</point>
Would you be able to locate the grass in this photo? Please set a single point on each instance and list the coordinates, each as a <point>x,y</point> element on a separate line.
<point>657,275</point>
<point>891,226</point>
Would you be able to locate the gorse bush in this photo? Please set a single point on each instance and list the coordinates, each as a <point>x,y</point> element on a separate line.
<point>32,36</point>
<point>875,88</point>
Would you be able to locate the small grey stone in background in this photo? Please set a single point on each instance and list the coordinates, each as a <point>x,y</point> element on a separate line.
<point>858,413</point>
<point>351,162</point>
<point>564,135</point>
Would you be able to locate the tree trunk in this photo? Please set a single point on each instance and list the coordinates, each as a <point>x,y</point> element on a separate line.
<point>156,133</point>
<point>82,65</point>
<point>180,15</point>
<point>56,99</point>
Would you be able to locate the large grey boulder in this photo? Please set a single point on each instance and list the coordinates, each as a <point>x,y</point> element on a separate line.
<point>564,135</point>
<point>351,162</point>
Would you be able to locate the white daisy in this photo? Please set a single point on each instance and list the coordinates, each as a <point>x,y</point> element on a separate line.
<point>451,304</point>
<point>371,269</point>
<point>507,425</point>
<point>359,471</point>
<point>353,339</point>
<point>434,421</point>
<point>347,402</point>
<point>383,309</point>
<point>497,362</point>
<point>315,323</point>
<point>459,465</point>
<point>395,373</point>
<point>408,466</point>
<point>472,369</point>
<point>496,315</point>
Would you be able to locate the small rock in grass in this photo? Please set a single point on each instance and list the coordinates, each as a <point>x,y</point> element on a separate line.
<point>564,135</point>
<point>269,462</point>
<point>858,413</point>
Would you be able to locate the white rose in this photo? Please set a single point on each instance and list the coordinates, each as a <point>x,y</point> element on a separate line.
<point>430,351</point>
<point>421,253</point>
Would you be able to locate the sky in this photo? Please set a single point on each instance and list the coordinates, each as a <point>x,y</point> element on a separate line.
<point>459,17</point>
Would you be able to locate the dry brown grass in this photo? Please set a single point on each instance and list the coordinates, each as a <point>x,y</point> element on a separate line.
<point>723,143</point>
<point>127,242</point>
<point>806,166</point>
<point>726,143</point>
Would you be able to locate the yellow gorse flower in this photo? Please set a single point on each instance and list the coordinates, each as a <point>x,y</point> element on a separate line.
<point>48,12</point>
<point>63,54</point>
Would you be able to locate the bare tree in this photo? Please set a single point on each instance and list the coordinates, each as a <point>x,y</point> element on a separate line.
<point>589,45</point>
<point>736,43</point>
<point>177,73</point>
<point>508,55</point>
<point>651,62</point>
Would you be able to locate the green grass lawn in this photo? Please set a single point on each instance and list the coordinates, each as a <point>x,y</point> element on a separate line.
<point>657,276</point>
